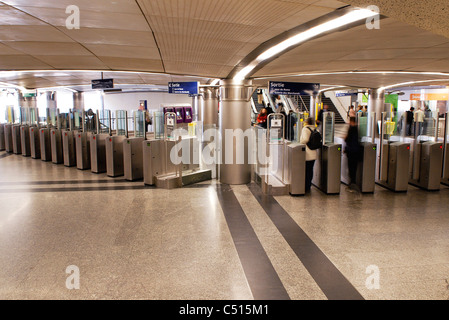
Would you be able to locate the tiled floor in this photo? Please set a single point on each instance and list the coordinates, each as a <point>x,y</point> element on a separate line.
<point>132,242</point>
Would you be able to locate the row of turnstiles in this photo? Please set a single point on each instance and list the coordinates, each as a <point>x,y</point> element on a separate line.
<point>87,142</point>
<point>389,158</point>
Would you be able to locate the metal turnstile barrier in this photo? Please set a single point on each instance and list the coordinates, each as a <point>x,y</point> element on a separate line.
<point>429,163</point>
<point>35,143</point>
<point>69,148</point>
<point>56,146</point>
<point>8,138</point>
<point>98,153</point>
<point>83,150</point>
<point>133,159</point>
<point>2,137</point>
<point>16,139</point>
<point>394,169</point>
<point>114,156</point>
<point>25,140</point>
<point>45,144</point>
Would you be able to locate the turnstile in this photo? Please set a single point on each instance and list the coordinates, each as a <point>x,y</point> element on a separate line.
<point>327,170</point>
<point>296,169</point>
<point>445,176</point>
<point>82,140</point>
<point>16,139</point>
<point>133,159</point>
<point>394,161</point>
<point>114,156</point>
<point>8,138</point>
<point>56,146</point>
<point>2,137</point>
<point>69,148</point>
<point>35,143</point>
<point>366,168</point>
<point>45,144</point>
<point>25,140</point>
<point>427,165</point>
<point>98,152</point>
<point>156,160</point>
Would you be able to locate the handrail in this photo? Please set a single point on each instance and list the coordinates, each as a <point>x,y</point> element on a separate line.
<point>253,106</point>
<point>304,104</point>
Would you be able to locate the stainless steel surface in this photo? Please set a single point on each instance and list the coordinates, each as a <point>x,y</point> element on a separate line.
<point>69,148</point>
<point>327,171</point>
<point>156,160</point>
<point>396,157</point>
<point>209,112</point>
<point>16,139</point>
<point>82,141</point>
<point>56,146</point>
<point>45,144</point>
<point>2,137</point>
<point>430,155</point>
<point>133,158</point>
<point>114,156</point>
<point>366,169</point>
<point>445,179</point>
<point>35,143</point>
<point>25,140</point>
<point>98,152</point>
<point>8,138</point>
<point>296,168</point>
<point>235,118</point>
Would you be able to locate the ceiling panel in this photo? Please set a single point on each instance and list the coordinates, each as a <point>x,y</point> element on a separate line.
<point>36,48</point>
<point>73,62</point>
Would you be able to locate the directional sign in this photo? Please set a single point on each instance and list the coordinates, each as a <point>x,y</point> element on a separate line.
<point>294,88</point>
<point>190,88</point>
<point>103,84</point>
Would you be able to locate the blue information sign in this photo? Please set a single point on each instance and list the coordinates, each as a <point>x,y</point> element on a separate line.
<point>190,88</point>
<point>294,88</point>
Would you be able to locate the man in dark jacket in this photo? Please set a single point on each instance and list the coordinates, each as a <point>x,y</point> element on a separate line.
<point>353,151</point>
<point>409,119</point>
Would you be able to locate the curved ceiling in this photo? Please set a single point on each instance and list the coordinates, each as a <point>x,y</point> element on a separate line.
<point>160,40</point>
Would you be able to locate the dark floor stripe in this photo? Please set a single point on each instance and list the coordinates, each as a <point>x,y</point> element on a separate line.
<point>260,273</point>
<point>2,156</point>
<point>39,183</point>
<point>80,189</point>
<point>331,281</point>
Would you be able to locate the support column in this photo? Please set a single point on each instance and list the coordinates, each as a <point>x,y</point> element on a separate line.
<point>78,101</point>
<point>209,107</point>
<point>235,125</point>
<point>376,103</point>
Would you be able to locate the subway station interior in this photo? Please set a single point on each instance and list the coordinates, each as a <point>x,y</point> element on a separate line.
<point>162,150</point>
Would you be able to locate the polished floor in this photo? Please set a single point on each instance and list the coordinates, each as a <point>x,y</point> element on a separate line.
<point>213,241</point>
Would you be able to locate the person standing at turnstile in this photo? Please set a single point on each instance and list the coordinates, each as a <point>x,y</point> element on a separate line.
<point>353,152</point>
<point>311,155</point>
<point>419,121</point>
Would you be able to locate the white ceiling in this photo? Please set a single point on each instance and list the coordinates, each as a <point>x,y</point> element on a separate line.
<point>202,39</point>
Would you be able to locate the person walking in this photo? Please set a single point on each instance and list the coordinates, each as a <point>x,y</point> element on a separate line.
<point>311,155</point>
<point>353,152</point>
<point>419,121</point>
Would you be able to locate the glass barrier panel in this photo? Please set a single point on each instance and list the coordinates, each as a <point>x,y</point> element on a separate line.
<point>34,117</point>
<point>158,124</point>
<point>328,127</point>
<point>122,123</point>
<point>139,124</point>
<point>104,121</point>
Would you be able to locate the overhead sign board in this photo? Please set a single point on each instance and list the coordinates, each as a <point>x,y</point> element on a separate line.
<point>190,88</point>
<point>103,84</point>
<point>294,88</point>
<point>346,93</point>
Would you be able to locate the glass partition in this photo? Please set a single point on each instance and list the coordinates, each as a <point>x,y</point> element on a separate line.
<point>90,121</point>
<point>10,115</point>
<point>276,128</point>
<point>328,127</point>
<point>104,122</point>
<point>25,116</point>
<point>34,117</point>
<point>159,125</point>
<point>52,118</point>
<point>139,124</point>
<point>170,126</point>
<point>76,120</point>
<point>427,129</point>
<point>293,126</point>
<point>366,126</point>
<point>122,123</point>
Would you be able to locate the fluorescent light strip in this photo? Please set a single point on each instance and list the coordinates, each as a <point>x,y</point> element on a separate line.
<point>351,17</point>
<point>410,83</point>
<point>355,72</point>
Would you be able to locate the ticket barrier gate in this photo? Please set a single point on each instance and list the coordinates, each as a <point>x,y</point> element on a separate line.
<point>427,163</point>
<point>8,137</point>
<point>327,170</point>
<point>56,146</point>
<point>445,169</point>
<point>83,152</point>
<point>132,149</point>
<point>2,137</point>
<point>45,144</point>
<point>35,143</point>
<point>158,167</point>
<point>25,140</point>
<point>16,139</point>
<point>98,141</point>
<point>114,147</point>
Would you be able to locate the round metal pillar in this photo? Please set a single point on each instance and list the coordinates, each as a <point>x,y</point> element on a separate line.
<point>235,128</point>
<point>376,103</point>
<point>209,107</point>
